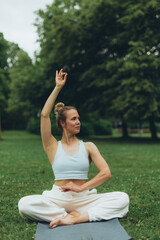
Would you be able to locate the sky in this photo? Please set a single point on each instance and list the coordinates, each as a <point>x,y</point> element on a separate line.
<point>16,22</point>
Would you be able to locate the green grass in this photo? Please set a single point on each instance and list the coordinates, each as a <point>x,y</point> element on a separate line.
<point>26,170</point>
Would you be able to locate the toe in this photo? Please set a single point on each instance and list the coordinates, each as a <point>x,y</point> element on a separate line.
<point>52,224</point>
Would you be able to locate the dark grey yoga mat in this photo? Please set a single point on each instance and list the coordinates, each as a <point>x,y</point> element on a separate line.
<point>104,230</point>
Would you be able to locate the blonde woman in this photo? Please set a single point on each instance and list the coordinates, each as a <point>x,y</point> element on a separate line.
<point>72,199</point>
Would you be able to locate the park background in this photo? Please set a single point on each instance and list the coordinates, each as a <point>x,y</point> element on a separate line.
<point>110,50</point>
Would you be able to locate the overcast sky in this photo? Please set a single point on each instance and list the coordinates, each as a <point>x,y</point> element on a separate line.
<point>16,22</point>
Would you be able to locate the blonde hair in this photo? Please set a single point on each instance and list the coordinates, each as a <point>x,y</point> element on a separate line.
<point>60,112</point>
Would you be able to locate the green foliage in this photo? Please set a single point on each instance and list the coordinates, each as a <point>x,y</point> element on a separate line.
<point>158,127</point>
<point>3,88</point>
<point>110,50</point>
<point>3,52</point>
<point>21,87</point>
<point>102,127</point>
<point>132,125</point>
<point>33,126</point>
<point>55,130</point>
<point>4,79</point>
<point>86,129</point>
<point>145,125</point>
<point>119,70</point>
<point>12,51</point>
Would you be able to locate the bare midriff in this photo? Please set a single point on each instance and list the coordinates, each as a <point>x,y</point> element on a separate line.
<point>65,181</point>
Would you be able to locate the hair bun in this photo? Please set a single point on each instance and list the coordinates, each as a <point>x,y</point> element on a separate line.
<point>58,107</point>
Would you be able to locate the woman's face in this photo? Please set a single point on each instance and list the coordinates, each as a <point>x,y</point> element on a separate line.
<point>72,123</point>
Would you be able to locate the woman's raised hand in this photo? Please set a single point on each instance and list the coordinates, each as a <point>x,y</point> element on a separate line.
<point>61,78</point>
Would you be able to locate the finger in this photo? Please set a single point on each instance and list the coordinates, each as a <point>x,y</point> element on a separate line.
<point>64,190</point>
<point>56,72</point>
<point>65,77</point>
<point>64,187</point>
<point>62,75</point>
<point>60,72</point>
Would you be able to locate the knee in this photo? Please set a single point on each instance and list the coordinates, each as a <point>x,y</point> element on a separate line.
<point>23,206</point>
<point>124,200</point>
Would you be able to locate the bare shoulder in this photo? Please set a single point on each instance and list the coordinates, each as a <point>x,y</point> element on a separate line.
<point>95,155</point>
<point>90,146</point>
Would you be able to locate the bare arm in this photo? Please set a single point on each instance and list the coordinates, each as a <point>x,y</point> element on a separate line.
<point>104,170</point>
<point>47,137</point>
<point>103,175</point>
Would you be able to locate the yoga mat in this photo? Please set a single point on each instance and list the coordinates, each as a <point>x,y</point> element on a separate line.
<point>103,230</point>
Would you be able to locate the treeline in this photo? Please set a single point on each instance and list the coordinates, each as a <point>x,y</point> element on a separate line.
<point>110,50</point>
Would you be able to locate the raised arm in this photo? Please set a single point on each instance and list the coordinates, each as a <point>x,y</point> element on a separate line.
<point>48,139</point>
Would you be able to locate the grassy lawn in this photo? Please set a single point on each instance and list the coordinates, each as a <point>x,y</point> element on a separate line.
<point>25,170</point>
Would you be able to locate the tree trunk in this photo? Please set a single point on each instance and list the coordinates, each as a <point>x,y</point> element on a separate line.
<point>124,129</point>
<point>153,127</point>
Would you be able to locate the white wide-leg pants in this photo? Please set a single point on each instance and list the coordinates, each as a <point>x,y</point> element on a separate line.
<point>56,204</point>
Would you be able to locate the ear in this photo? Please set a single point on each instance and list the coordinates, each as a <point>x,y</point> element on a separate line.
<point>62,123</point>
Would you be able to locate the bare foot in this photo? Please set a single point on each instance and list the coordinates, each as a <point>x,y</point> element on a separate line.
<point>69,219</point>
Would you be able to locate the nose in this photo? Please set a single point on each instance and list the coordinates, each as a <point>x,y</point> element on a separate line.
<point>78,121</point>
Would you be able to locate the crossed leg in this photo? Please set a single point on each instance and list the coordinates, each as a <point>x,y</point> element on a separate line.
<point>51,207</point>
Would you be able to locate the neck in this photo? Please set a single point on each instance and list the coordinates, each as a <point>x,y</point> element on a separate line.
<point>68,138</point>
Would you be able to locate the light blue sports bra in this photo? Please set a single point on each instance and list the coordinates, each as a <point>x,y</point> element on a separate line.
<point>71,167</point>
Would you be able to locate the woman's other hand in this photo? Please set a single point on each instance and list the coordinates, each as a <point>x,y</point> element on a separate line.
<point>61,78</point>
<point>71,187</point>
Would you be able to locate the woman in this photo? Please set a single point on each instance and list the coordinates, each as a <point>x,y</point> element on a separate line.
<point>70,200</point>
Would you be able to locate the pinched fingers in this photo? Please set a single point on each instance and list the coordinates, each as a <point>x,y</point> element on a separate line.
<point>65,76</point>
<point>61,74</point>
<point>61,78</point>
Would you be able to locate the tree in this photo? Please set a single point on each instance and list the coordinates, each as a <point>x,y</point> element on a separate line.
<point>21,75</point>
<point>139,69</point>
<point>69,38</point>
<point>3,77</point>
<point>107,49</point>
